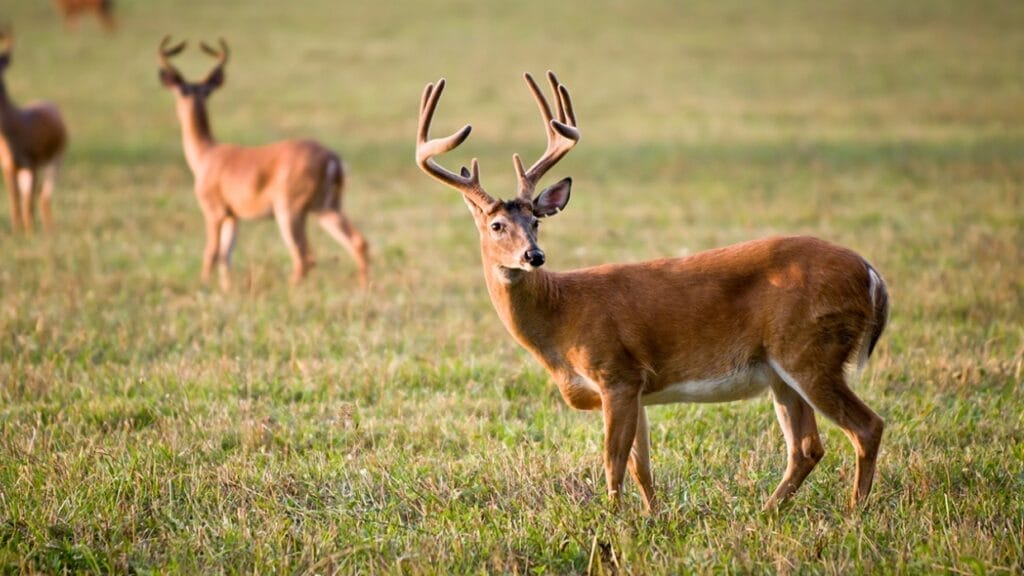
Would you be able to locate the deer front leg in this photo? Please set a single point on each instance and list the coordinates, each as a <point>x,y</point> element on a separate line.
<point>228,233</point>
<point>212,246</point>
<point>640,460</point>
<point>621,414</point>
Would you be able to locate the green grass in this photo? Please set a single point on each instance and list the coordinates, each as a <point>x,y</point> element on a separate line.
<point>150,425</point>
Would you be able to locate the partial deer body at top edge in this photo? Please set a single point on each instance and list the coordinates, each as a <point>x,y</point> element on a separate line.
<point>71,9</point>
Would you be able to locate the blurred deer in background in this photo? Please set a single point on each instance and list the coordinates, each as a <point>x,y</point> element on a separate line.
<point>32,142</point>
<point>784,313</point>
<point>70,9</point>
<point>289,180</point>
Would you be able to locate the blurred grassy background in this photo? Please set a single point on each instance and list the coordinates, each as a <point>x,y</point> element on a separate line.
<point>149,424</point>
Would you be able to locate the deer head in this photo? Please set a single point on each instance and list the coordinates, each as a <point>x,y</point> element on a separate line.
<point>172,78</point>
<point>508,229</point>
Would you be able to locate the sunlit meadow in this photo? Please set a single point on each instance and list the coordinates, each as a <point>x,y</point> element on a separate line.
<point>150,424</point>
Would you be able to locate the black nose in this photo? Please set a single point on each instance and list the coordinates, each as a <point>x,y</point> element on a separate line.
<point>535,256</point>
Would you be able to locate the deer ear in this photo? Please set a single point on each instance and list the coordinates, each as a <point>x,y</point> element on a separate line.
<point>169,78</point>
<point>553,199</point>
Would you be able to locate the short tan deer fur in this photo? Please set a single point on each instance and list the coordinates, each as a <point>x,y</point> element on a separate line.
<point>32,142</point>
<point>784,313</point>
<point>70,10</point>
<point>290,179</point>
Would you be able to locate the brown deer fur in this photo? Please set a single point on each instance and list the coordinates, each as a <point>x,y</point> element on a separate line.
<point>32,142</point>
<point>290,180</point>
<point>71,9</point>
<point>785,313</point>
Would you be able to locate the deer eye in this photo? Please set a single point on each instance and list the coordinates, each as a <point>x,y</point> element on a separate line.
<point>536,224</point>
<point>497,226</point>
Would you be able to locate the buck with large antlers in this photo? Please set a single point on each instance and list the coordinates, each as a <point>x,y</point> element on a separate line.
<point>32,142</point>
<point>786,314</point>
<point>290,179</point>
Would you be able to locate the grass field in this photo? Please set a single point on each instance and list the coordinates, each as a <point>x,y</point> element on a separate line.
<point>149,424</point>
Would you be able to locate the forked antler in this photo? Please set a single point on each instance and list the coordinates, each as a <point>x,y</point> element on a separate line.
<point>167,51</point>
<point>221,55</point>
<point>562,134</point>
<point>468,182</point>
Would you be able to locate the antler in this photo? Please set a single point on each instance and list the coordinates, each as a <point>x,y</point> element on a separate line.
<point>221,55</point>
<point>167,51</point>
<point>469,181</point>
<point>562,134</point>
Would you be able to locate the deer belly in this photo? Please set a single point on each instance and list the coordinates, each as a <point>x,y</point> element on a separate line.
<point>248,206</point>
<point>739,385</point>
<point>252,211</point>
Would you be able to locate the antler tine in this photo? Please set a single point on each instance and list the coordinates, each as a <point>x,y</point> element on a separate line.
<point>562,134</point>
<point>166,51</point>
<point>538,95</point>
<point>559,105</point>
<point>468,182</point>
<point>221,55</point>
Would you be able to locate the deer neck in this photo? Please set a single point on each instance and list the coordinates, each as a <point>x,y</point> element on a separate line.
<point>7,109</point>
<point>196,135</point>
<point>529,305</point>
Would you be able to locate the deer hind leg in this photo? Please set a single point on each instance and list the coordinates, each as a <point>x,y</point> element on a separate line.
<point>829,394</point>
<point>302,239</point>
<point>293,230</point>
<point>26,187</point>
<point>639,463</point>
<point>46,195</point>
<point>228,235</point>
<point>307,250</point>
<point>338,226</point>
<point>803,444</point>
